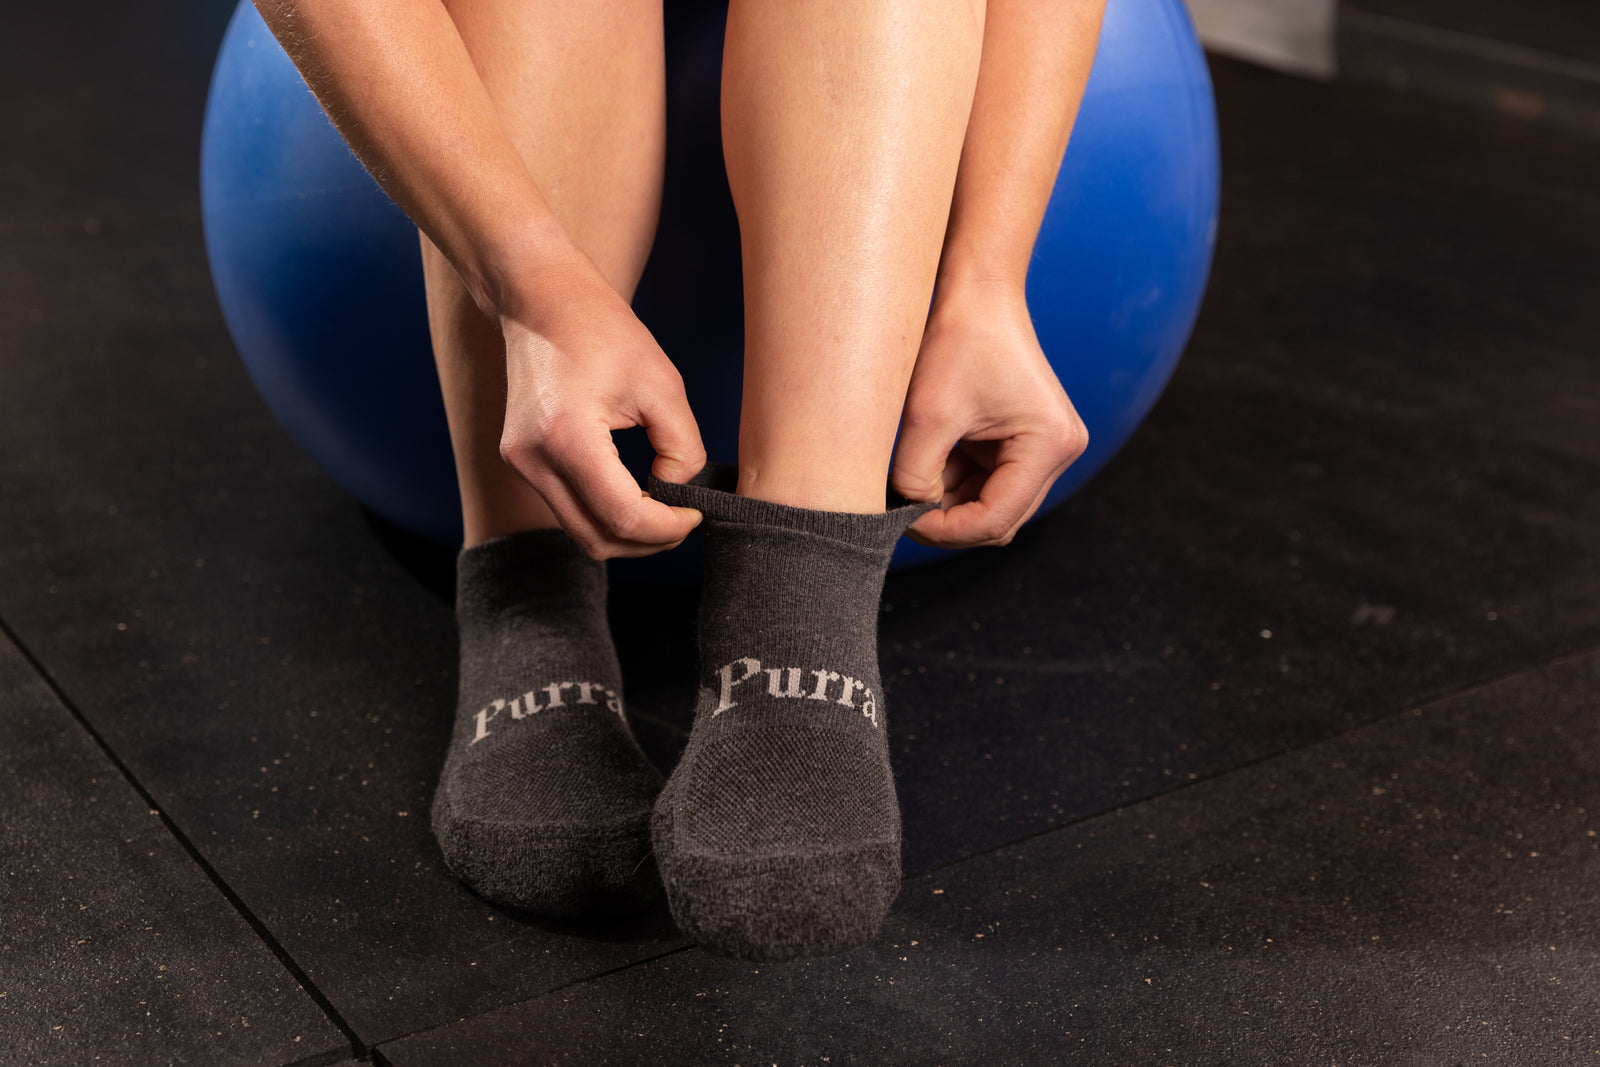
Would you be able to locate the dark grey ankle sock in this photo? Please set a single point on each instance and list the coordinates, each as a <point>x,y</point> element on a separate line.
<point>545,798</point>
<point>778,835</point>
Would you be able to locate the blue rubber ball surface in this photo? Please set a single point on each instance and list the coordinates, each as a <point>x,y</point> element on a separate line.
<point>320,278</point>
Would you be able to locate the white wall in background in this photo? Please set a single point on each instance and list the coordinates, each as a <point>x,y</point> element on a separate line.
<point>1289,35</point>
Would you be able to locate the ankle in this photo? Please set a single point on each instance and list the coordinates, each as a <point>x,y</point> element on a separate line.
<point>509,513</point>
<point>825,484</point>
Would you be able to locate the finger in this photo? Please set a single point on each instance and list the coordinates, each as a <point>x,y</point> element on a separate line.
<point>669,423</point>
<point>569,510</point>
<point>966,468</point>
<point>1004,498</point>
<point>964,487</point>
<point>1075,449</point>
<point>964,473</point>
<point>624,514</point>
<point>1038,501</point>
<point>589,532</point>
<point>1020,523</point>
<point>580,525</point>
<point>921,457</point>
<point>962,480</point>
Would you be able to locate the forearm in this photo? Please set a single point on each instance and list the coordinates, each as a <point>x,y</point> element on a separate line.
<point>1036,60</point>
<point>397,81</point>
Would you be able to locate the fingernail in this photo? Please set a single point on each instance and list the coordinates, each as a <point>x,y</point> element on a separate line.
<point>698,518</point>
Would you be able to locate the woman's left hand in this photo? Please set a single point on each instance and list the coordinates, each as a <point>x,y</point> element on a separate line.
<point>987,427</point>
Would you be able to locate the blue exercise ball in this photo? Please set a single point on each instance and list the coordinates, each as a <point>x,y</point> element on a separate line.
<point>320,281</point>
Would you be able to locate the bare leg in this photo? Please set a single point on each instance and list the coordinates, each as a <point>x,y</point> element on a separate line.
<point>580,86</point>
<point>842,128</point>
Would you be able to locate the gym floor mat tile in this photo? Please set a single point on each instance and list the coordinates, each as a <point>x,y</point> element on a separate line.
<point>116,945</point>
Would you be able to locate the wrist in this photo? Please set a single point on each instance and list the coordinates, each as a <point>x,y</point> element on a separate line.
<point>520,274</point>
<point>972,289</point>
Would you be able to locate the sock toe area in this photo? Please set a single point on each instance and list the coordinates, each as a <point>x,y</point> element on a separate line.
<point>797,854</point>
<point>559,824</point>
<point>564,871</point>
<point>780,907</point>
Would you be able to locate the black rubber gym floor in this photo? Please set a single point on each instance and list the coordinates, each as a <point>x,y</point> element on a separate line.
<point>1278,744</point>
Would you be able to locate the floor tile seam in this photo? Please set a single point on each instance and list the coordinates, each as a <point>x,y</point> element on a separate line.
<point>1414,706</point>
<point>251,920</point>
<point>377,1047</point>
<point>321,1059</point>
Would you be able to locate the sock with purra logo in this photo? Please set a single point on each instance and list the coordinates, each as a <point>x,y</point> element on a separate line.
<point>778,835</point>
<point>545,799</point>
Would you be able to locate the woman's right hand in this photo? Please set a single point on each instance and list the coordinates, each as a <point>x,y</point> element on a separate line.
<point>402,87</point>
<point>579,364</point>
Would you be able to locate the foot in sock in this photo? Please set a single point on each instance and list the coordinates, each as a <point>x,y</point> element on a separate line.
<point>778,835</point>
<point>545,799</point>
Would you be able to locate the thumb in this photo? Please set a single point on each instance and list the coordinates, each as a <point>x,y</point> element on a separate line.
<point>669,423</point>
<point>920,457</point>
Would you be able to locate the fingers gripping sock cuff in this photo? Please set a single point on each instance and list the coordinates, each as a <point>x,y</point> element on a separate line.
<point>778,835</point>
<point>545,798</point>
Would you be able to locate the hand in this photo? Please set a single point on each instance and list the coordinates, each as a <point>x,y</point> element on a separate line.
<point>987,427</point>
<point>575,373</point>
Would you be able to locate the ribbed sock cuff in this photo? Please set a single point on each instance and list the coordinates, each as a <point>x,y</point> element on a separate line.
<point>711,492</point>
